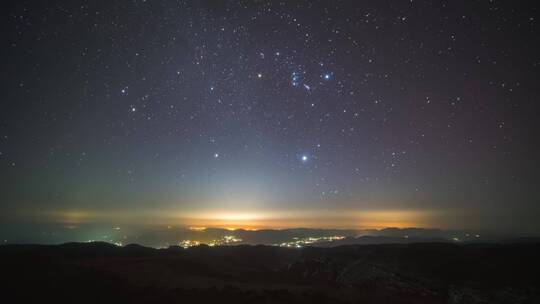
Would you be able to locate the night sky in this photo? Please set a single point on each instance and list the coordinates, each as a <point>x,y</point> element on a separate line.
<point>340,114</point>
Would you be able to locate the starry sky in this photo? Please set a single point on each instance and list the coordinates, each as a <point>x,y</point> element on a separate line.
<point>271,113</point>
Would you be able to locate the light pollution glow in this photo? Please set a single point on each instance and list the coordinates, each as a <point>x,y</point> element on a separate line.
<point>344,219</point>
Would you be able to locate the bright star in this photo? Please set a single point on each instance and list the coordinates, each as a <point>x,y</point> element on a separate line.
<point>216,155</point>
<point>304,158</point>
<point>327,76</point>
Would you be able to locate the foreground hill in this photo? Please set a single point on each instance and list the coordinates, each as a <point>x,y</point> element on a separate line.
<point>398,273</point>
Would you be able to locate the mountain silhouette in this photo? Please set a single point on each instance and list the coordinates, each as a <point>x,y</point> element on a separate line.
<point>384,273</point>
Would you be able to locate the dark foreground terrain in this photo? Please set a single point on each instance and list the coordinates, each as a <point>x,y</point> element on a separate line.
<point>407,273</point>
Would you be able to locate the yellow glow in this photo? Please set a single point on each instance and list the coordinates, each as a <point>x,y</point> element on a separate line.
<point>235,216</point>
<point>194,228</point>
<point>255,219</point>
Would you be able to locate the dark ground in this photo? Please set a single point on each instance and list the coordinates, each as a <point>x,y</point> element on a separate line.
<point>407,273</point>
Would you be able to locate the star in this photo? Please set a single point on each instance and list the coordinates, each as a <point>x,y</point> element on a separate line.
<point>327,76</point>
<point>216,155</point>
<point>304,158</point>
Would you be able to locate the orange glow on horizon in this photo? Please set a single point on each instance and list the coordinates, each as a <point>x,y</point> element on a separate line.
<point>254,220</point>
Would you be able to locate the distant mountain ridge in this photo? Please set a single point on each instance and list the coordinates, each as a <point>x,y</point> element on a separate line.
<point>163,237</point>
